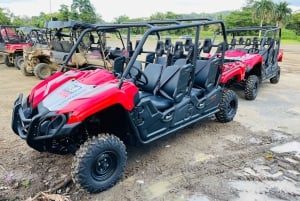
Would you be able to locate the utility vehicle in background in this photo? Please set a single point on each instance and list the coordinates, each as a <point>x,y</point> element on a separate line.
<point>11,46</point>
<point>154,89</point>
<point>258,48</point>
<point>32,54</point>
<point>51,47</point>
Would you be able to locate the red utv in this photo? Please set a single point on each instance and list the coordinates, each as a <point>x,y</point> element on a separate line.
<point>11,46</point>
<point>258,48</point>
<point>153,90</point>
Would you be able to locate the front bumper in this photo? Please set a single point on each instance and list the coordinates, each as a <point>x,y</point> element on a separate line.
<point>39,125</point>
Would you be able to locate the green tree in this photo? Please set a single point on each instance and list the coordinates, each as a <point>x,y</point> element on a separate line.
<point>282,13</point>
<point>158,16</point>
<point>263,10</point>
<point>295,23</point>
<point>4,16</point>
<point>171,15</point>
<point>39,21</point>
<point>63,13</point>
<point>122,18</point>
<point>239,19</point>
<point>18,21</point>
<point>83,10</point>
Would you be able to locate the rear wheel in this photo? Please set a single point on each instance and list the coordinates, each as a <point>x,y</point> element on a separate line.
<point>19,60</point>
<point>251,88</point>
<point>99,163</point>
<point>7,62</point>
<point>228,106</point>
<point>276,78</point>
<point>42,71</point>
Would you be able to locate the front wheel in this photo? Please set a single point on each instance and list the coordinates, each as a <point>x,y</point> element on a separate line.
<point>99,163</point>
<point>42,71</point>
<point>251,88</point>
<point>227,107</point>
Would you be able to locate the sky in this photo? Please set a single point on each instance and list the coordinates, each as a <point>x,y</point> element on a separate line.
<point>111,9</point>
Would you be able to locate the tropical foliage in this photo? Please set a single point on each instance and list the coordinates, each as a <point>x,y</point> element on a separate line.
<point>255,13</point>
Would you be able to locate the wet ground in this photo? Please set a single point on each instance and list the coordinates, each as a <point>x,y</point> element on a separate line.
<point>254,157</point>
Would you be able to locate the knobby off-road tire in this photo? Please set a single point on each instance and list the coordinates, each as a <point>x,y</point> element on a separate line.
<point>276,78</point>
<point>42,71</point>
<point>24,71</point>
<point>251,88</point>
<point>228,106</point>
<point>19,60</point>
<point>99,163</point>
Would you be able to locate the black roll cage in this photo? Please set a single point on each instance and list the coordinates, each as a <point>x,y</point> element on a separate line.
<point>154,27</point>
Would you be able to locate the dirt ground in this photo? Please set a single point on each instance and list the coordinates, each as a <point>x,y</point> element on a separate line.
<point>254,157</point>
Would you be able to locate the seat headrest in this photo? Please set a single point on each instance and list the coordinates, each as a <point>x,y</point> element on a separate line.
<point>248,42</point>
<point>233,42</point>
<point>159,50</point>
<point>188,44</point>
<point>241,41</point>
<point>168,43</point>
<point>207,45</point>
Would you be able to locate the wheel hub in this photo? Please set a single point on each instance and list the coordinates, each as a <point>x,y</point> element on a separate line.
<point>104,166</point>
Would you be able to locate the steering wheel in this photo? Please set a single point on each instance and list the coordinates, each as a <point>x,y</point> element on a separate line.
<point>138,76</point>
<point>253,50</point>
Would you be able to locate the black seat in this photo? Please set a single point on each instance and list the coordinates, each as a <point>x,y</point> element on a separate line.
<point>172,87</point>
<point>188,44</point>
<point>175,81</point>
<point>153,73</point>
<point>160,48</point>
<point>168,43</point>
<point>130,49</point>
<point>56,46</point>
<point>232,43</point>
<point>241,41</point>
<point>188,58</point>
<point>248,42</point>
<point>66,45</point>
<point>149,58</point>
<point>159,51</point>
<point>268,56</point>
<point>255,42</point>
<point>119,65</point>
<point>205,76</point>
<point>207,45</point>
<point>178,51</point>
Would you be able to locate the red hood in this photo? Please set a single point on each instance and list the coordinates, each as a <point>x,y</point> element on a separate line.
<point>45,87</point>
<point>82,93</point>
<point>239,55</point>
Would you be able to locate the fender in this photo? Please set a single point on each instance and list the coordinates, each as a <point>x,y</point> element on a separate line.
<point>11,48</point>
<point>104,97</point>
<point>233,70</point>
<point>80,94</point>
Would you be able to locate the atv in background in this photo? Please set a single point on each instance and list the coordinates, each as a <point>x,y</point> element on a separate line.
<point>32,54</point>
<point>11,46</point>
<point>51,47</point>
<point>258,48</point>
<point>153,90</point>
